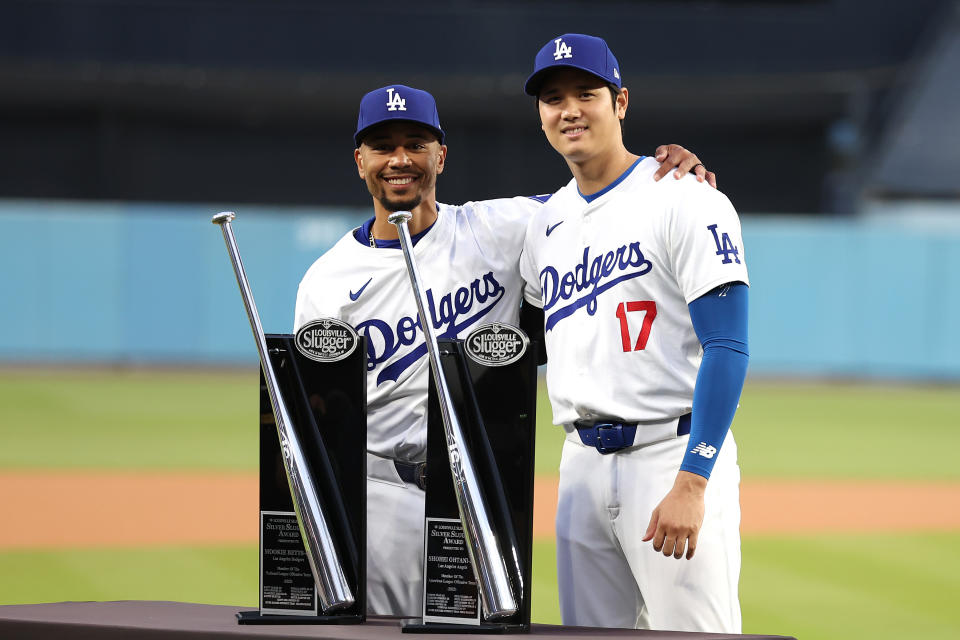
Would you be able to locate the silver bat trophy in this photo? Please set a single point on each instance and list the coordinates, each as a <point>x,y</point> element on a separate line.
<point>322,556</point>
<point>482,544</point>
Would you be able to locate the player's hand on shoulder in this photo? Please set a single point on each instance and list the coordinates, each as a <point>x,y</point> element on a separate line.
<point>673,156</point>
<point>675,523</point>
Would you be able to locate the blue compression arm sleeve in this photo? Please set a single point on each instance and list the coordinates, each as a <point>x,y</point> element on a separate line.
<point>720,320</point>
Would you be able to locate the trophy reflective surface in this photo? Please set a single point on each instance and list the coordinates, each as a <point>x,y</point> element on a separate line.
<point>313,393</point>
<point>326,398</point>
<point>492,381</point>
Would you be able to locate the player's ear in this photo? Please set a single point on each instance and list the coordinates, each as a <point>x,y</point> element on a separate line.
<point>441,158</point>
<point>358,158</point>
<point>623,98</point>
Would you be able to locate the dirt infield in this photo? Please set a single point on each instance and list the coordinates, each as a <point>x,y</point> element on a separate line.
<point>57,509</point>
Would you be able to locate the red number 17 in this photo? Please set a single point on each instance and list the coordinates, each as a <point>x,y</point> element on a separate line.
<point>650,307</point>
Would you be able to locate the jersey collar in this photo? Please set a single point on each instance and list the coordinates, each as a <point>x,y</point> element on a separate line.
<point>623,176</point>
<point>362,234</point>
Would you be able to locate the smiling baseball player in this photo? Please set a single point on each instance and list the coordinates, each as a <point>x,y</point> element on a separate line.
<point>469,260</point>
<point>643,285</point>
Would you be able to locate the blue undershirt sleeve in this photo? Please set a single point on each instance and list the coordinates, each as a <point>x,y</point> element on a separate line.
<point>720,321</point>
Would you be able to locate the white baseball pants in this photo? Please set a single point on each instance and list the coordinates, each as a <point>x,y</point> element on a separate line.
<point>394,542</point>
<point>608,577</point>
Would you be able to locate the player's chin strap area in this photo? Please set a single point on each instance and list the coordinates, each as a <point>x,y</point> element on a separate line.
<point>610,437</point>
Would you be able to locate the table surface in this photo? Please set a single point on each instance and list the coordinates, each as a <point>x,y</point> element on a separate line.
<point>154,620</point>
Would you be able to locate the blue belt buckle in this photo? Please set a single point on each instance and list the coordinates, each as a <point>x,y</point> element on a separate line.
<point>613,436</point>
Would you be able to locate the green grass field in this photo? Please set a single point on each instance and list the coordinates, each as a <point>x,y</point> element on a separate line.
<point>836,586</point>
<point>106,419</point>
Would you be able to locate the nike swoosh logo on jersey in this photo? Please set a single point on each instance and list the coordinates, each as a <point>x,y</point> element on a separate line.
<point>354,296</point>
<point>552,227</point>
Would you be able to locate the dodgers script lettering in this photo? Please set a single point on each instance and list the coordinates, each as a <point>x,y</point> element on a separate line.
<point>591,274</point>
<point>450,314</point>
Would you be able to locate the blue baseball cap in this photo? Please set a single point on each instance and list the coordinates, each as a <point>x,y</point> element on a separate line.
<point>587,53</point>
<point>397,102</point>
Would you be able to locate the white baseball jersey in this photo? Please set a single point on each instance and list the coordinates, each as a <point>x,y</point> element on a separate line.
<point>468,262</point>
<point>614,277</point>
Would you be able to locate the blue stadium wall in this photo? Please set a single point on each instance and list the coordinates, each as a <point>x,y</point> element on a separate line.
<point>140,284</point>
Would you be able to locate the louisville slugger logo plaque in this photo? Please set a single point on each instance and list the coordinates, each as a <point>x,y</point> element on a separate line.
<point>496,344</point>
<point>326,340</point>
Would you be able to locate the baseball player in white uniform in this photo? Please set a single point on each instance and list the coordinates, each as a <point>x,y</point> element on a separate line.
<point>644,286</point>
<point>468,257</point>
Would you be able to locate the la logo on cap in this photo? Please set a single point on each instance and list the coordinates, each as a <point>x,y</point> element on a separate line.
<point>395,102</point>
<point>562,51</point>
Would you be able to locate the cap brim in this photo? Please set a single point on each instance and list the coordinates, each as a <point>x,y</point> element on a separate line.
<point>358,136</point>
<point>532,86</point>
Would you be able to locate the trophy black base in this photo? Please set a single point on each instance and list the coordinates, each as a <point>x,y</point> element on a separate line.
<point>255,617</point>
<point>417,625</point>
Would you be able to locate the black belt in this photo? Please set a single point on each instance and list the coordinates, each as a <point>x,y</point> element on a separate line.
<point>609,437</point>
<point>412,472</point>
